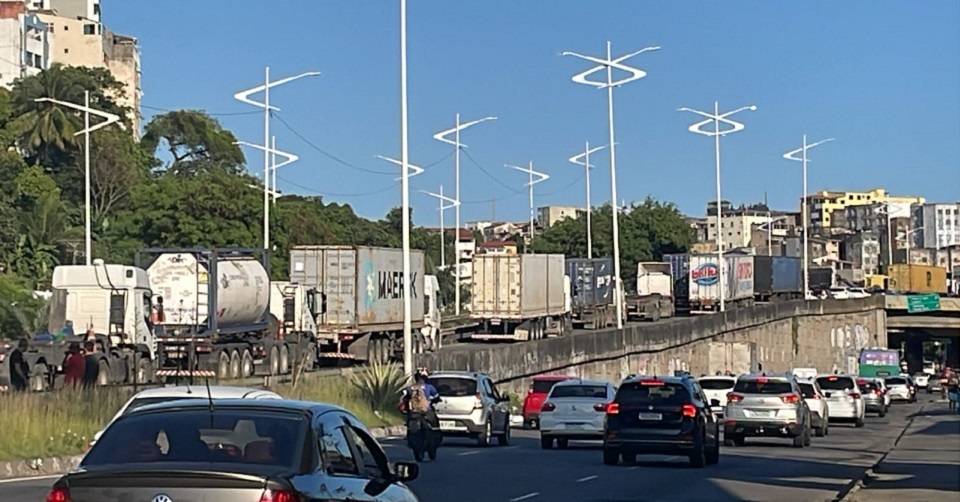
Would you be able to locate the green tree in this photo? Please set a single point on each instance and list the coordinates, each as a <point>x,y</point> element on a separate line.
<point>194,141</point>
<point>20,313</point>
<point>118,165</point>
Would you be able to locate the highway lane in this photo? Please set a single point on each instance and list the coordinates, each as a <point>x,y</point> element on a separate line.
<point>765,469</point>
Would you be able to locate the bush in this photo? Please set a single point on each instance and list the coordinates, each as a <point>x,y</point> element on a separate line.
<point>379,385</point>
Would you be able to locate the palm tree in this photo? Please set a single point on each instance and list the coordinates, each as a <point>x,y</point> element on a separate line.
<point>47,130</point>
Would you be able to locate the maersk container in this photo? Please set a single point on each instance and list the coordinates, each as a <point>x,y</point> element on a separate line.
<point>362,286</point>
<point>591,282</point>
<point>518,286</point>
<point>242,290</point>
<point>777,276</point>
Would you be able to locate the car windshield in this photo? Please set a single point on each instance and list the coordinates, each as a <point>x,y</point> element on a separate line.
<point>716,383</point>
<point>198,435</point>
<point>543,386</point>
<point>454,387</point>
<point>835,383</point>
<point>646,393</point>
<point>896,381</point>
<point>763,387</point>
<point>597,391</point>
<point>807,390</point>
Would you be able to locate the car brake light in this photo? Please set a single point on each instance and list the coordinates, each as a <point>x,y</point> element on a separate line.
<point>548,406</point>
<point>478,404</point>
<point>734,398</point>
<point>600,407</point>
<point>279,496</point>
<point>651,383</point>
<point>59,495</point>
<point>878,392</point>
<point>790,399</point>
<point>831,379</point>
<point>855,395</point>
<point>613,409</point>
<point>688,410</point>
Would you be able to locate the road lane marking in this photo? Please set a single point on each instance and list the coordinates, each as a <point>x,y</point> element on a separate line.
<point>464,454</point>
<point>525,497</point>
<point>29,478</point>
<point>588,478</point>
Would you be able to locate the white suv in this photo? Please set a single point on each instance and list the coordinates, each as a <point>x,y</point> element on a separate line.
<point>843,398</point>
<point>819,409</point>
<point>717,387</point>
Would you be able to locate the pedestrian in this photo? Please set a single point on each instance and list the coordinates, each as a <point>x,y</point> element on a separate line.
<point>91,360</point>
<point>73,366</point>
<point>19,369</point>
<point>953,391</point>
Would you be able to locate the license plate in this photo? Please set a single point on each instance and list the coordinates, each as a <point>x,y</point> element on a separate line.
<point>650,416</point>
<point>449,424</point>
<point>762,413</point>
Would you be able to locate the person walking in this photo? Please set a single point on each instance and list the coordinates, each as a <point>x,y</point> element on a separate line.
<point>19,369</point>
<point>73,366</point>
<point>91,361</point>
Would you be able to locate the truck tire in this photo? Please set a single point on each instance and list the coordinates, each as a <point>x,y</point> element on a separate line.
<point>223,365</point>
<point>284,359</point>
<point>247,364</point>
<point>235,368</point>
<point>274,361</point>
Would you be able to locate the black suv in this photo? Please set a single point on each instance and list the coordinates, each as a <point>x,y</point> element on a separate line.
<point>661,415</point>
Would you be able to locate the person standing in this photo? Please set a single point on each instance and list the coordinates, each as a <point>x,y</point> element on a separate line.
<point>91,370</point>
<point>19,369</point>
<point>73,366</point>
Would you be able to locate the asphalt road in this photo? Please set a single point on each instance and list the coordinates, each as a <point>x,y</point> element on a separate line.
<point>765,469</point>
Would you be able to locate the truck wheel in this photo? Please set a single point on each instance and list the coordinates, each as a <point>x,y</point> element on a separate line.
<point>38,378</point>
<point>274,361</point>
<point>103,373</point>
<point>247,364</point>
<point>235,364</point>
<point>223,365</point>
<point>284,359</point>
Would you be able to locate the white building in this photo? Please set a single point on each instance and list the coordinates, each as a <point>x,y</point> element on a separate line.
<point>548,216</point>
<point>940,224</point>
<point>737,229</point>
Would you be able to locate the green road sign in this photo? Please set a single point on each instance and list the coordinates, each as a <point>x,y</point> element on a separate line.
<point>923,303</point>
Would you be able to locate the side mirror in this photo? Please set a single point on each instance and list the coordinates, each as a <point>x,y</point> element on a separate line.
<point>714,403</point>
<point>406,471</point>
<point>826,394</point>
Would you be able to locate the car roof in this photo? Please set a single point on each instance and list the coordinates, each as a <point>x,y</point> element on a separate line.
<point>829,375</point>
<point>457,374</point>
<point>665,379</point>
<point>200,391</point>
<point>717,377</point>
<point>265,404</point>
<point>578,381</point>
<point>752,377</point>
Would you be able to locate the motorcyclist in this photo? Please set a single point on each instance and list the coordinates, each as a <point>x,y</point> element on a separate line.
<point>417,404</point>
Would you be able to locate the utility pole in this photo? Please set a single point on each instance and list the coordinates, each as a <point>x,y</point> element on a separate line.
<point>109,118</point>
<point>271,154</point>
<point>405,199</point>
<point>541,177</point>
<point>445,203</point>
<point>443,136</point>
<point>698,128</point>
<point>792,155</point>
<point>583,159</point>
<point>582,78</point>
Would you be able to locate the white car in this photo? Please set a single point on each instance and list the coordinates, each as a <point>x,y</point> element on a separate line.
<point>898,387</point>
<point>843,397</point>
<point>922,380</point>
<point>574,409</point>
<point>717,387</point>
<point>173,393</point>
<point>819,409</point>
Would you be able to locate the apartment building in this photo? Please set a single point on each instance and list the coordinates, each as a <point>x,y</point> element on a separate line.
<point>937,225</point>
<point>548,216</point>
<point>822,206</point>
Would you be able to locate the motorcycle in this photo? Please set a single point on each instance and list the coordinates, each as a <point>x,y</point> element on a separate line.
<point>423,433</point>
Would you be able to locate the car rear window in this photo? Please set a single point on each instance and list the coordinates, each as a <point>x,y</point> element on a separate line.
<point>598,391</point>
<point>455,387</point>
<point>140,402</point>
<point>835,383</point>
<point>716,383</point>
<point>543,386</point>
<point>198,435</point>
<point>664,393</point>
<point>763,387</point>
<point>896,381</point>
<point>807,390</point>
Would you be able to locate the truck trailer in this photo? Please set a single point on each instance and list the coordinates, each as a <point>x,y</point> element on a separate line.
<point>653,298</point>
<point>700,285</point>
<point>591,292</point>
<point>519,297</point>
<point>777,278</point>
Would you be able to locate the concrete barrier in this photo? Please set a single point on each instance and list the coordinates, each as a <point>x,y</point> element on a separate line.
<point>826,334</point>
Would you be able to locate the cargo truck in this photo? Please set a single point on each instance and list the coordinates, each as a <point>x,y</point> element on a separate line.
<point>701,284</point>
<point>821,280</point>
<point>215,314</point>
<point>920,279</point>
<point>519,297</point>
<point>361,294</point>
<point>777,278</point>
<point>653,298</point>
<point>591,292</point>
<point>107,304</point>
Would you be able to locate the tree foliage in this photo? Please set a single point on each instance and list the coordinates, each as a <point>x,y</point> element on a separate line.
<point>195,142</point>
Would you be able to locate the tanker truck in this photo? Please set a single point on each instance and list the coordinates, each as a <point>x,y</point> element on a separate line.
<point>213,315</point>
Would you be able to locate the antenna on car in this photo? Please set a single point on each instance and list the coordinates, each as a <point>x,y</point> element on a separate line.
<point>206,381</point>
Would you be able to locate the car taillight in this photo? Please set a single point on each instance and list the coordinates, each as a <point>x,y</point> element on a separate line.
<point>734,398</point>
<point>600,407</point>
<point>478,404</point>
<point>279,496</point>
<point>790,399</point>
<point>59,495</point>
<point>688,410</point>
<point>855,395</point>
<point>613,409</point>
<point>548,406</point>
<point>878,392</point>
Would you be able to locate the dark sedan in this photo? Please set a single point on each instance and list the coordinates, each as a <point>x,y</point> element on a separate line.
<point>236,451</point>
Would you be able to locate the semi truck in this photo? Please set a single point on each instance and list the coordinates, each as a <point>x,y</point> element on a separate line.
<point>777,278</point>
<point>653,298</point>
<point>519,297</point>
<point>700,284</point>
<point>591,292</point>
<point>360,290</point>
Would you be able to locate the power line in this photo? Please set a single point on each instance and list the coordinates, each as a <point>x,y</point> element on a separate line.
<point>314,191</point>
<point>212,114</point>
<point>489,175</point>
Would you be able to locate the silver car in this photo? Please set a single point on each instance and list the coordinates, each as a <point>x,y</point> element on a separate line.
<point>236,451</point>
<point>767,406</point>
<point>900,388</point>
<point>574,409</point>
<point>471,406</point>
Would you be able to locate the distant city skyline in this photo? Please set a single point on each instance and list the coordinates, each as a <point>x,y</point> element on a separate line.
<point>881,77</point>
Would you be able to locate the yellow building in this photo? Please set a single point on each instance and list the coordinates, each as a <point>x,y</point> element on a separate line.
<point>822,205</point>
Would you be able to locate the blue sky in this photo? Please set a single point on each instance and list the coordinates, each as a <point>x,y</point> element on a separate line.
<point>881,76</point>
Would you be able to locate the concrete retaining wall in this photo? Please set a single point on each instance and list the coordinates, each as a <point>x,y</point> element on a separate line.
<point>826,335</point>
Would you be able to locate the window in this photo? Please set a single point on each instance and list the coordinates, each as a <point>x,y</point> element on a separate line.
<point>37,62</point>
<point>336,453</point>
<point>66,28</point>
<point>716,383</point>
<point>371,459</point>
<point>89,29</point>
<point>455,387</point>
<point>66,51</point>
<point>594,391</point>
<point>763,387</point>
<point>646,392</point>
<point>96,9</point>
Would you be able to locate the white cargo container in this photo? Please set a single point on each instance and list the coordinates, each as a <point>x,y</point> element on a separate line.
<point>654,295</point>
<point>704,281</point>
<point>519,297</point>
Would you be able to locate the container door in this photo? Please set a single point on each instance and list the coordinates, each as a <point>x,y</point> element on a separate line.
<point>509,291</point>
<point>339,268</point>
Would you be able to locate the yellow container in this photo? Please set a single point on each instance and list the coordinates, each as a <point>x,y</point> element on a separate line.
<point>917,279</point>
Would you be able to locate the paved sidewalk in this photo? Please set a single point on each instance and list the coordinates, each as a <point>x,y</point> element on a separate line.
<point>925,463</point>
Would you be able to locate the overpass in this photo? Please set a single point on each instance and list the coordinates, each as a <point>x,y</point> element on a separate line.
<point>946,319</point>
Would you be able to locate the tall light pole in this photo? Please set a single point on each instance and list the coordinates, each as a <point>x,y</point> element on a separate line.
<point>443,136</point>
<point>886,211</point>
<point>244,96</point>
<point>698,128</point>
<point>583,159</point>
<point>541,177</point>
<point>405,198</point>
<point>271,192</point>
<point>769,224</point>
<point>109,118</point>
<point>445,203</point>
<point>792,155</point>
<point>581,78</point>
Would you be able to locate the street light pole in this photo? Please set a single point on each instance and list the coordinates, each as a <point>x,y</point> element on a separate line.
<point>405,199</point>
<point>541,177</point>
<point>450,203</point>
<point>109,118</point>
<point>442,136</point>
<point>587,166</point>
<point>792,155</point>
<point>698,128</point>
<point>581,78</point>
